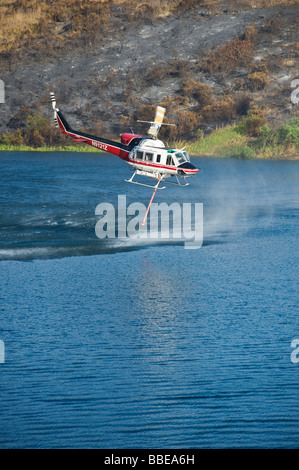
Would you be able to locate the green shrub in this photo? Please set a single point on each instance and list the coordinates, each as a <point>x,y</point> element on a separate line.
<point>278,140</point>
<point>246,152</point>
<point>288,134</point>
<point>252,123</point>
<point>11,138</point>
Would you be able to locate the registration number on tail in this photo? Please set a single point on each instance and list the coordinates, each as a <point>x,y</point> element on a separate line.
<point>99,145</point>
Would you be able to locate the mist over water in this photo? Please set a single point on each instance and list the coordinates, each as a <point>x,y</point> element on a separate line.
<point>48,201</point>
<point>132,343</point>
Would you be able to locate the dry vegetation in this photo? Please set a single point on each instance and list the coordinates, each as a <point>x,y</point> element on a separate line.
<point>224,59</point>
<point>235,88</point>
<point>23,21</point>
<point>75,22</point>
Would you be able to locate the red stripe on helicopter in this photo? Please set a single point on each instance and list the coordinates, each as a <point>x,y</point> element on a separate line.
<point>119,152</point>
<point>169,167</point>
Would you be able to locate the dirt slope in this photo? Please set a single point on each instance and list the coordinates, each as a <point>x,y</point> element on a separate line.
<point>106,85</point>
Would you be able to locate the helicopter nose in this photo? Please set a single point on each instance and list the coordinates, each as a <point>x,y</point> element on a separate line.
<point>188,168</point>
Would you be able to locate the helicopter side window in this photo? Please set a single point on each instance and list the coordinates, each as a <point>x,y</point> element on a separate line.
<point>169,160</point>
<point>158,158</point>
<point>149,157</point>
<point>139,155</point>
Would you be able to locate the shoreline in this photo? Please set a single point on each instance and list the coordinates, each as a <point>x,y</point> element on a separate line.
<point>231,152</point>
<point>67,148</point>
<point>280,157</point>
<point>225,142</point>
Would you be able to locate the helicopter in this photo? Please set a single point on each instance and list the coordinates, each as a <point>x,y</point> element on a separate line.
<point>147,155</point>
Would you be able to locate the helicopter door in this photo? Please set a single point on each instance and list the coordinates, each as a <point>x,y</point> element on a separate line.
<point>169,160</point>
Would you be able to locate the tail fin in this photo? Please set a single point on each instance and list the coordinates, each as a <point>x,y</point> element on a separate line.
<point>53,99</point>
<point>59,119</point>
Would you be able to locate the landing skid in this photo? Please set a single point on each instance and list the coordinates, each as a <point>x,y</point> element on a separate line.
<point>143,184</point>
<point>178,183</point>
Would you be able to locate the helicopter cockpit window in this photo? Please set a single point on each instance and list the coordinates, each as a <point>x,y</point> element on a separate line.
<point>182,157</point>
<point>187,156</point>
<point>169,160</point>
<point>139,155</point>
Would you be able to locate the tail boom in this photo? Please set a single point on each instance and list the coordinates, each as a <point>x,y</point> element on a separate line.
<point>106,145</point>
<point>116,148</point>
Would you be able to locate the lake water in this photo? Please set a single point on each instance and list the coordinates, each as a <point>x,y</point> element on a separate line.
<point>131,344</point>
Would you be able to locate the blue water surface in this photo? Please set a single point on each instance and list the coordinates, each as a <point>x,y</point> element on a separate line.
<point>129,344</point>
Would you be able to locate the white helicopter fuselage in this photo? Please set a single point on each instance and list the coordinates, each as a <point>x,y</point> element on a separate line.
<point>151,158</point>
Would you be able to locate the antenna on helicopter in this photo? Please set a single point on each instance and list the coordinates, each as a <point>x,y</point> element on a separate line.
<point>157,123</point>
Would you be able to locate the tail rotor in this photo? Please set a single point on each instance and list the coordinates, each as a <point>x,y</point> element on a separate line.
<point>157,123</point>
